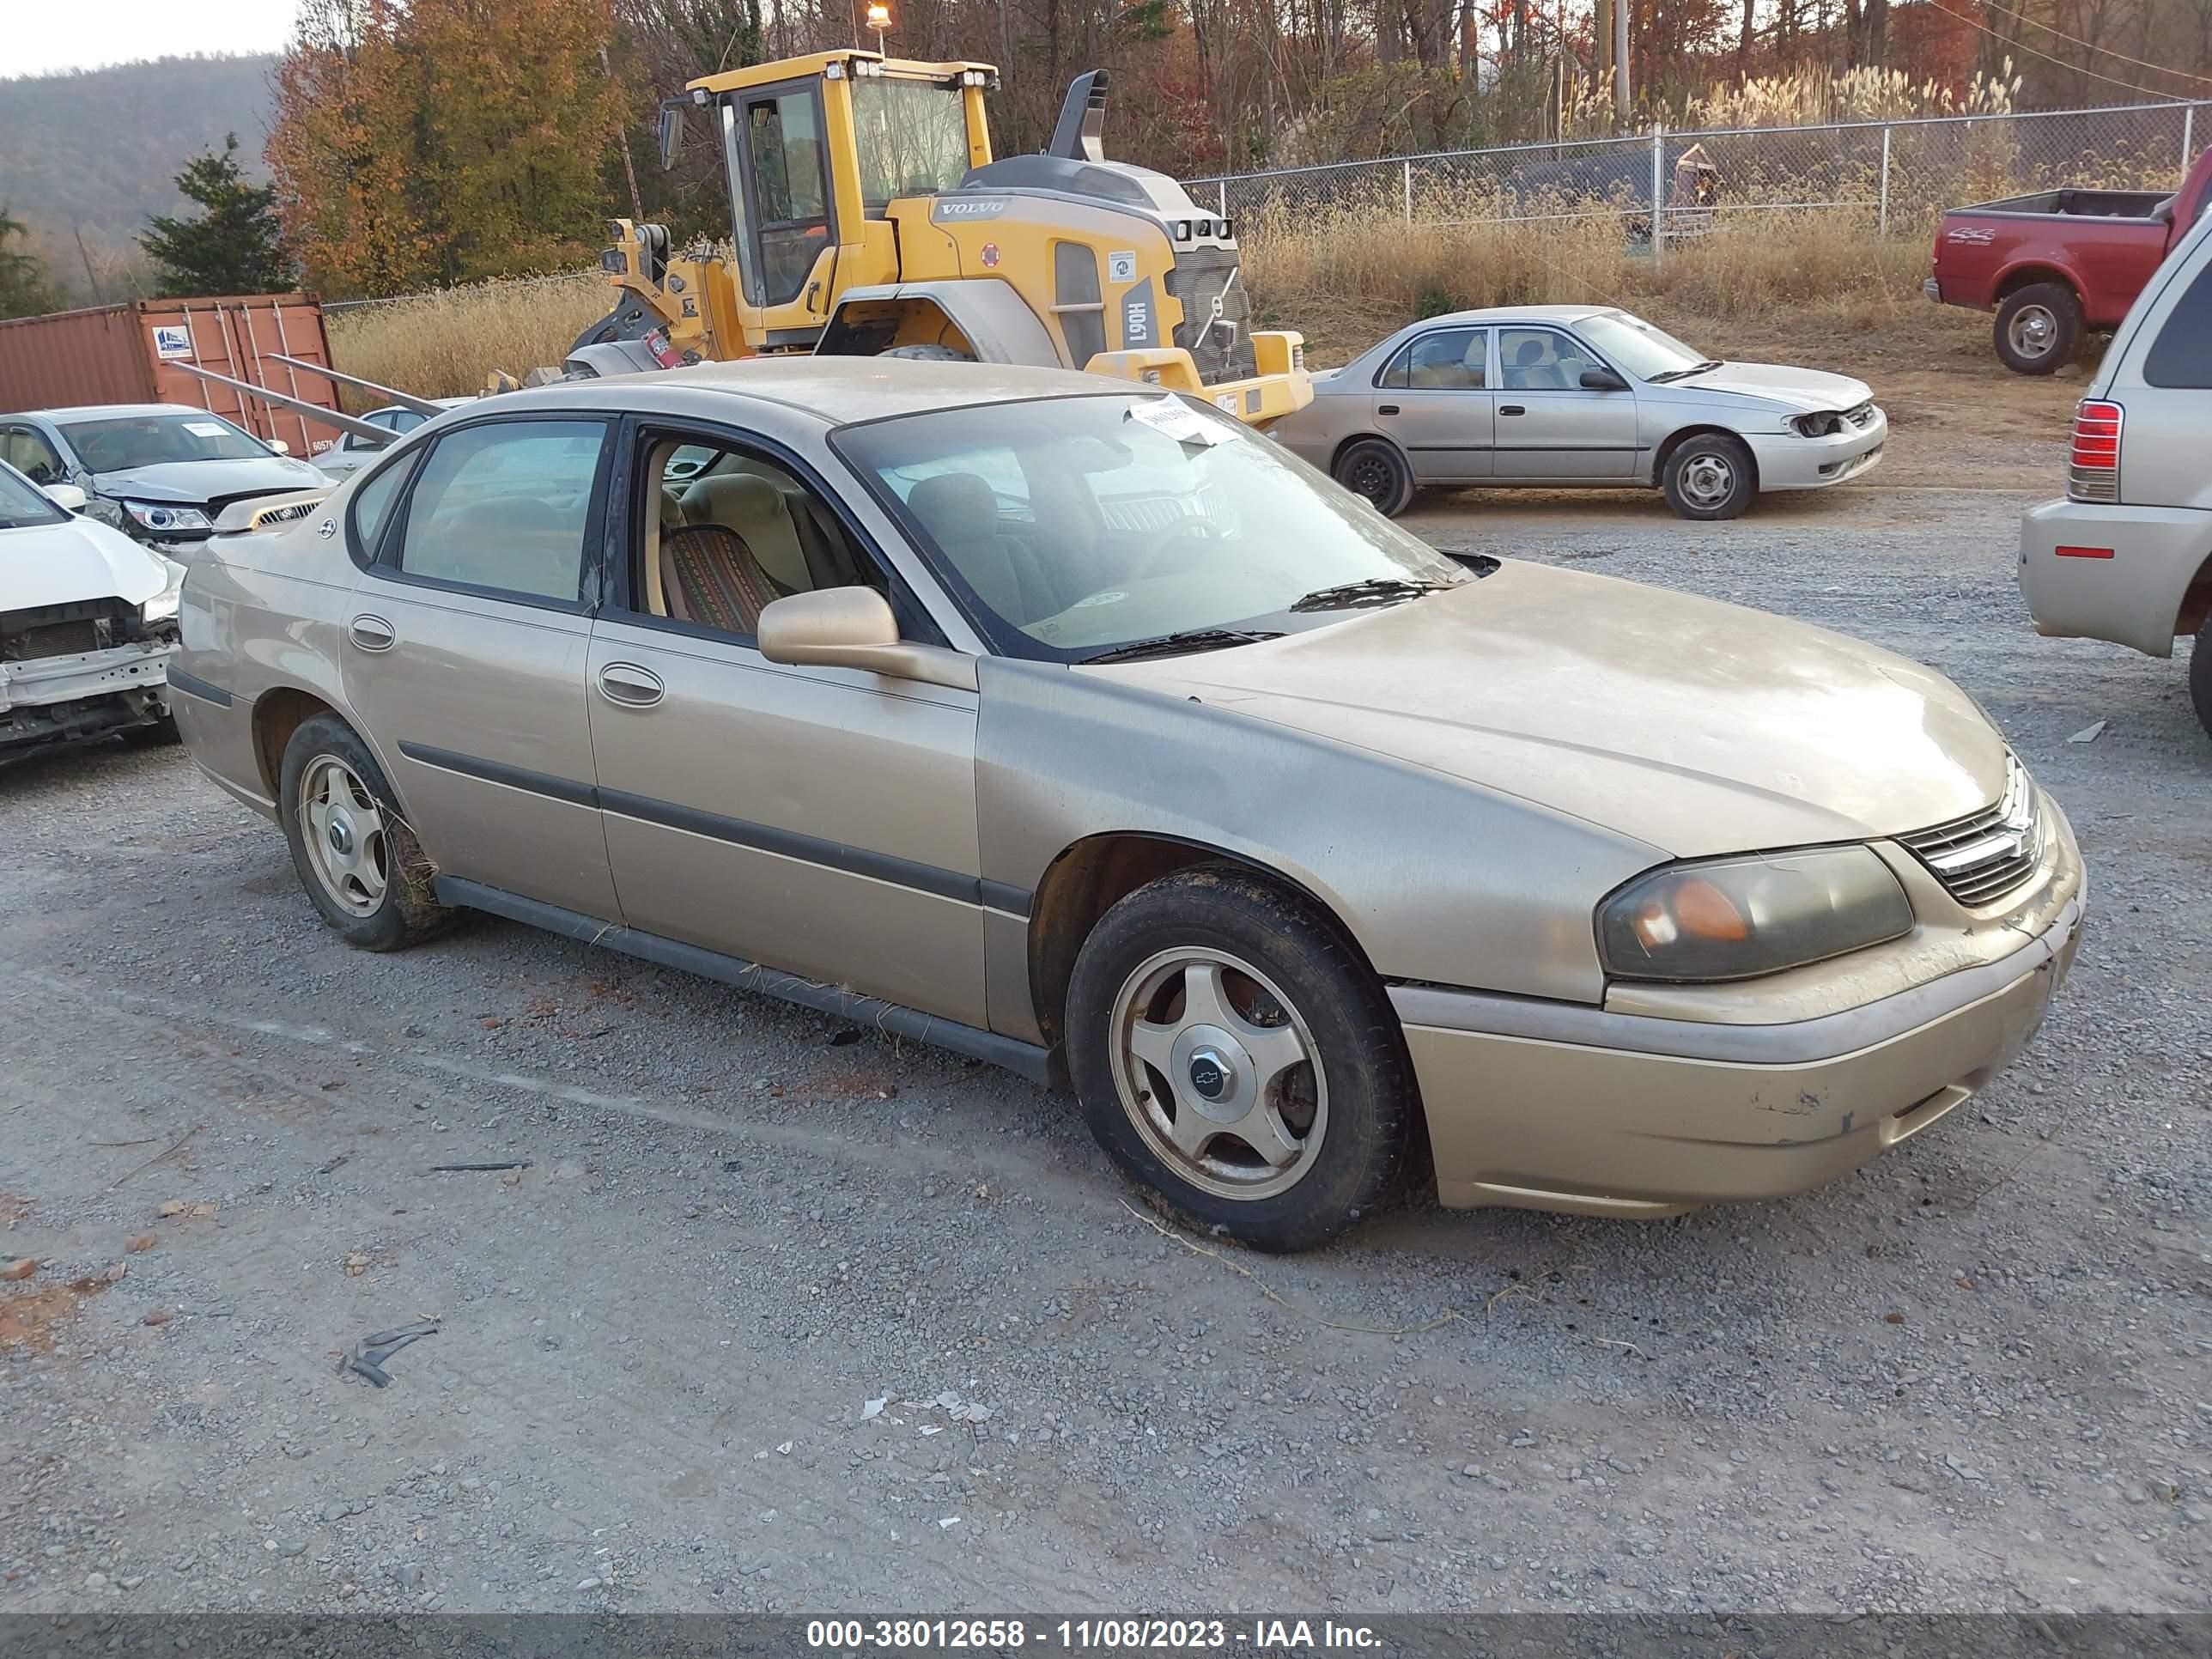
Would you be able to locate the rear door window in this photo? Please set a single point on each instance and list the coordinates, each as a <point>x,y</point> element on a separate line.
<point>2181,357</point>
<point>506,506</point>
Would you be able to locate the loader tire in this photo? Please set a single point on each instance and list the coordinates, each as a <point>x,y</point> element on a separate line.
<point>931,354</point>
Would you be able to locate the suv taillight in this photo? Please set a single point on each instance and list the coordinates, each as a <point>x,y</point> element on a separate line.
<point>2092,469</point>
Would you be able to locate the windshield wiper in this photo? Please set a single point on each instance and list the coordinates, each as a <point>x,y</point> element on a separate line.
<point>1190,638</point>
<point>1666,374</point>
<point>1375,590</point>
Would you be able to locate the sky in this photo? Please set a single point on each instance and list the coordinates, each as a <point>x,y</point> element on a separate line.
<point>42,39</point>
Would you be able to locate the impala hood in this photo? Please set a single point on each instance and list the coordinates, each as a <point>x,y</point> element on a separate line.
<point>62,564</point>
<point>1694,726</point>
<point>195,483</point>
<point>1802,391</point>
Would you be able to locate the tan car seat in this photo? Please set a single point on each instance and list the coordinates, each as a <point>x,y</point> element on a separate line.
<point>753,509</point>
<point>961,513</point>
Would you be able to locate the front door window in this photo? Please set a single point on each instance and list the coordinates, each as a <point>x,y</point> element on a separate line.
<point>784,161</point>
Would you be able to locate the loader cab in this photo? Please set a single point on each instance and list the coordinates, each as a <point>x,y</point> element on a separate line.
<point>815,150</point>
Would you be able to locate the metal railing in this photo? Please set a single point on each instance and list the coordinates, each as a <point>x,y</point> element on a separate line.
<point>1901,172</point>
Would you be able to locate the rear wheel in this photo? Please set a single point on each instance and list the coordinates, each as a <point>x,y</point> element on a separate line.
<point>1709,475</point>
<point>355,855</point>
<point>2200,676</point>
<point>1375,470</point>
<point>1235,1056</point>
<point>2039,328</point>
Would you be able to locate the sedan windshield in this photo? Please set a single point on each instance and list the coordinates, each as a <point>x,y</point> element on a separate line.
<point>23,504</point>
<point>1077,528</point>
<point>1636,348</point>
<point>117,443</point>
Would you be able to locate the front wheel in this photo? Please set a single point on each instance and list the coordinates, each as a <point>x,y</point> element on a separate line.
<point>1709,476</point>
<point>1376,471</point>
<point>1234,1055</point>
<point>2039,328</point>
<point>355,855</point>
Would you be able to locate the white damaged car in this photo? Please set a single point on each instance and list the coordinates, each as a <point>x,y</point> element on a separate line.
<point>88,624</point>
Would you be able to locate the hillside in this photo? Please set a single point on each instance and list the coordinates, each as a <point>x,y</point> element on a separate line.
<point>96,150</point>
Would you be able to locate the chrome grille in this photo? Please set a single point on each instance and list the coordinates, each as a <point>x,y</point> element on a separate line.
<point>1863,416</point>
<point>1985,855</point>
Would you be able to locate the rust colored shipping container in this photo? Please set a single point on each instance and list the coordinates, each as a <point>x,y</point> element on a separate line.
<point>129,353</point>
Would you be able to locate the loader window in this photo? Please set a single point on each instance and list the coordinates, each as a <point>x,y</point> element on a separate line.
<point>784,158</point>
<point>913,137</point>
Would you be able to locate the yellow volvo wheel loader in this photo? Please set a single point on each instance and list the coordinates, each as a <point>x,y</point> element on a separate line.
<point>868,217</point>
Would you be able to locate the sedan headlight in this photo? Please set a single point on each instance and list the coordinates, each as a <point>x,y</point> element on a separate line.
<point>1824,425</point>
<point>1735,918</point>
<point>163,518</point>
<point>162,607</point>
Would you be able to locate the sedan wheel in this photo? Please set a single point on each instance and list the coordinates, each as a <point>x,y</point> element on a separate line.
<point>1234,1055</point>
<point>1709,475</point>
<point>355,854</point>
<point>1374,470</point>
<point>1216,1071</point>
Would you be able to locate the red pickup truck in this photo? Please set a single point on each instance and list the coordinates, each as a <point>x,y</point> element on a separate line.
<point>2060,261</point>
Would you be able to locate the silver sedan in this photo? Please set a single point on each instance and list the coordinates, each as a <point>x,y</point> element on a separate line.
<point>1561,397</point>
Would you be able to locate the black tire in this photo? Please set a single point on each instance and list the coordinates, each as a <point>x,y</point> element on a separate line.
<point>160,734</point>
<point>1368,1113</point>
<point>931,354</point>
<point>2039,328</point>
<point>1373,468</point>
<point>404,911</point>
<point>1709,476</point>
<point>2200,676</point>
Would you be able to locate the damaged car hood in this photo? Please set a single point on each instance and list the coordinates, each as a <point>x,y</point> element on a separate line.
<point>193,483</point>
<point>1694,726</point>
<point>1803,391</point>
<point>48,564</point>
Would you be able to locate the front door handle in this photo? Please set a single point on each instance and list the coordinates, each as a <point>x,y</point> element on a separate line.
<point>1386,409</point>
<point>372,633</point>
<point>632,687</point>
<point>1513,409</point>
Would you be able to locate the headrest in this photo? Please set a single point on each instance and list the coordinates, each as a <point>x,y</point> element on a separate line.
<point>956,507</point>
<point>1529,354</point>
<point>733,497</point>
<point>671,510</point>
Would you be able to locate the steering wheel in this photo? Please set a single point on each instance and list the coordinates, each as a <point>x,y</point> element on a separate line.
<point>1172,541</point>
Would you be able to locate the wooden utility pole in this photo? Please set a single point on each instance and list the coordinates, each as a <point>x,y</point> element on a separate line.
<point>1602,44</point>
<point>1621,65</point>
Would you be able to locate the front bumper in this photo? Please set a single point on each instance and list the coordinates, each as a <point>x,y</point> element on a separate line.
<point>2100,571</point>
<point>1546,1106</point>
<point>58,699</point>
<point>1787,461</point>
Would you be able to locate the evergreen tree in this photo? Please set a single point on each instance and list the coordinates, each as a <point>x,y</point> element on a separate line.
<point>235,246</point>
<point>25,288</point>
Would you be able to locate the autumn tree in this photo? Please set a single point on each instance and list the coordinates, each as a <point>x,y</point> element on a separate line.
<point>26,289</point>
<point>234,245</point>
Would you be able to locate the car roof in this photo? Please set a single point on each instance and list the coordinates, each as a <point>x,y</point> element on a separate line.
<point>111,411</point>
<point>835,390</point>
<point>1523,315</point>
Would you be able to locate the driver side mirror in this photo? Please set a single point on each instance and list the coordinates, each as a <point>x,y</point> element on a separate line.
<point>1602,379</point>
<point>671,134</point>
<point>853,628</point>
<point>68,497</point>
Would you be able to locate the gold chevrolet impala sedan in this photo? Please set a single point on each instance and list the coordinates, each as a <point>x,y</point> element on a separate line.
<point>1074,727</point>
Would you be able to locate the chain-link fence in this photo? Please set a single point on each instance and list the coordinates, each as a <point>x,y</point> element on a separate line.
<point>1900,173</point>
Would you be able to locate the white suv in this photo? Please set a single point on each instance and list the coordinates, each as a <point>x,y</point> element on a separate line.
<point>2127,555</point>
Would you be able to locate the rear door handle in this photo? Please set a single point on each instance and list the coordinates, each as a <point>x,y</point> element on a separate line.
<point>372,633</point>
<point>632,687</point>
<point>1513,409</point>
<point>1386,409</point>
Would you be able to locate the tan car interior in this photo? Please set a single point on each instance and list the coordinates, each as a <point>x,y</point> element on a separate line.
<point>1537,360</point>
<point>734,535</point>
<point>1447,362</point>
<point>30,455</point>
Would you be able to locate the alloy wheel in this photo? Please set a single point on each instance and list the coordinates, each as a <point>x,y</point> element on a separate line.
<point>343,829</point>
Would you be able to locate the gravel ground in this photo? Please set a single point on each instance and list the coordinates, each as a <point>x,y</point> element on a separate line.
<point>1972,1377</point>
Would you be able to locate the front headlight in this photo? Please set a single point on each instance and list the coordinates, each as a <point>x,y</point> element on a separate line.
<point>162,519</point>
<point>1824,425</point>
<point>162,607</point>
<point>1735,918</point>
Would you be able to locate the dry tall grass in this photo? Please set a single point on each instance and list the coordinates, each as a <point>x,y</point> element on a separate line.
<point>445,344</point>
<point>1344,277</point>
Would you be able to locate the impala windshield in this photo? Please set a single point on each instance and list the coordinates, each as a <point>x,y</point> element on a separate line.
<point>1074,528</point>
<point>117,443</point>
